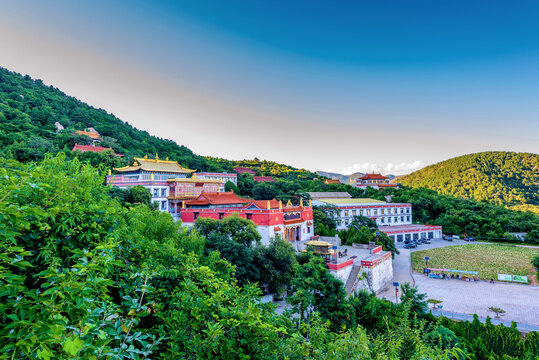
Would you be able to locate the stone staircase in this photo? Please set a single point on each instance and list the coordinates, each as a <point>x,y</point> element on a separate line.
<point>352,278</point>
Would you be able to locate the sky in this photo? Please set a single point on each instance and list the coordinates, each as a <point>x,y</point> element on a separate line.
<point>339,86</point>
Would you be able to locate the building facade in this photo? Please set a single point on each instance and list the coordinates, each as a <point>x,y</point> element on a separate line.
<point>385,214</point>
<point>376,181</point>
<point>152,174</point>
<point>224,177</point>
<point>271,217</point>
<point>394,219</point>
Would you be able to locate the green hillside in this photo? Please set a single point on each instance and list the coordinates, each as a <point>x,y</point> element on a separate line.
<point>29,111</point>
<point>502,178</point>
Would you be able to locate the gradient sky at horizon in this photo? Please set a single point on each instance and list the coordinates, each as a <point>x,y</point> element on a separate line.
<point>341,86</point>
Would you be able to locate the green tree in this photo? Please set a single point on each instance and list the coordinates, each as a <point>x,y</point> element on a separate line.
<point>414,298</point>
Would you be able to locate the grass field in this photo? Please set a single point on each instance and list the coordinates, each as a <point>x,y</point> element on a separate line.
<point>488,260</point>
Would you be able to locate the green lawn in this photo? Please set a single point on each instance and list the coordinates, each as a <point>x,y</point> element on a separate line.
<point>488,260</point>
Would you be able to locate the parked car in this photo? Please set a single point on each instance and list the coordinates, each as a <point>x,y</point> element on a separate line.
<point>407,241</point>
<point>448,238</point>
<point>469,238</point>
<point>426,241</point>
<point>456,237</point>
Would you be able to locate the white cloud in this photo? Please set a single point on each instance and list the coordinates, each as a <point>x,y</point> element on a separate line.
<point>388,168</point>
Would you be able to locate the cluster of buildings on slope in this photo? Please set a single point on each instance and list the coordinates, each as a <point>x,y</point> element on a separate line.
<point>94,137</point>
<point>203,196</point>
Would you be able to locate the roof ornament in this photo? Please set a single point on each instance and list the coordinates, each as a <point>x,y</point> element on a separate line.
<point>268,204</point>
<point>110,172</point>
<point>280,204</point>
<point>146,156</point>
<point>289,203</point>
<point>310,202</point>
<point>156,156</point>
<point>301,202</point>
<point>166,158</point>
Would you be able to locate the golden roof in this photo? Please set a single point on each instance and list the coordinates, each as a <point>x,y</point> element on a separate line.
<point>318,243</point>
<point>155,165</point>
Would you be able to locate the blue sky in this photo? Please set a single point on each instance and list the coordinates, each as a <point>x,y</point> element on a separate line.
<point>346,86</point>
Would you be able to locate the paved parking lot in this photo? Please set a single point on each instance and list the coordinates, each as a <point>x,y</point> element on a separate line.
<point>519,301</point>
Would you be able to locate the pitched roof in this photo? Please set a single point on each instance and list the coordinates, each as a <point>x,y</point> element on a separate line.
<point>263,179</point>
<point>332,181</point>
<point>84,148</point>
<point>217,198</point>
<point>155,165</point>
<point>263,204</point>
<point>243,170</point>
<point>93,135</point>
<point>373,177</point>
<point>329,195</point>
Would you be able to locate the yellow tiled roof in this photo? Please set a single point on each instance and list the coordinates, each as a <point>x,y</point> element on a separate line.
<point>155,165</point>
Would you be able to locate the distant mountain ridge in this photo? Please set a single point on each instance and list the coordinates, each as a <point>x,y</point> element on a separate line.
<point>499,177</point>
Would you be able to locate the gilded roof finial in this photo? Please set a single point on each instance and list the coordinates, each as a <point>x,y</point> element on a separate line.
<point>268,204</point>
<point>146,156</point>
<point>289,203</point>
<point>166,158</point>
<point>110,172</point>
<point>280,204</point>
<point>310,202</point>
<point>156,156</point>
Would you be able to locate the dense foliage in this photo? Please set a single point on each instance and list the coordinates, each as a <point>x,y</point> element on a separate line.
<point>84,277</point>
<point>90,272</point>
<point>502,178</point>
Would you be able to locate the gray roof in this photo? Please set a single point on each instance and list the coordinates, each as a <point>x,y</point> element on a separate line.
<point>329,195</point>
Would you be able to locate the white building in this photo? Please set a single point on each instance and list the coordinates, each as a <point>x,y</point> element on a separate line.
<point>385,214</point>
<point>394,219</point>
<point>223,177</point>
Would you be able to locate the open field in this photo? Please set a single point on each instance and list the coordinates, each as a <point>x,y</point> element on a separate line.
<point>488,260</point>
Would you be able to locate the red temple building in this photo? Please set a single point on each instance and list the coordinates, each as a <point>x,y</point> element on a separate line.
<point>271,217</point>
<point>376,181</point>
<point>244,170</point>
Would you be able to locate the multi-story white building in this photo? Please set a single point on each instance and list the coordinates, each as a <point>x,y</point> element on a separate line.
<point>224,177</point>
<point>394,219</point>
<point>385,214</point>
<point>152,174</point>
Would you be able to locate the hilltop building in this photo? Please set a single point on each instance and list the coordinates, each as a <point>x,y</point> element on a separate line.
<point>376,181</point>
<point>332,182</point>
<point>271,217</point>
<point>152,174</point>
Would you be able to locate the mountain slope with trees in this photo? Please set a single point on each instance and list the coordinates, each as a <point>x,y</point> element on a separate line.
<point>502,178</point>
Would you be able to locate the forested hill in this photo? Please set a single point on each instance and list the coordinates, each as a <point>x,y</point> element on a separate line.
<point>29,110</point>
<point>502,178</point>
